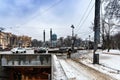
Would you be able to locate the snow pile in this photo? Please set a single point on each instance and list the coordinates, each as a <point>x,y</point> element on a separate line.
<point>58,73</point>
<point>111,61</point>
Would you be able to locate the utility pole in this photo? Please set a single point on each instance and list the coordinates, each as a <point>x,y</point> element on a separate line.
<point>96,31</point>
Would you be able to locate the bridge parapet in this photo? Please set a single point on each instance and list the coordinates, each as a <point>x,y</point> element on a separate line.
<point>25,60</point>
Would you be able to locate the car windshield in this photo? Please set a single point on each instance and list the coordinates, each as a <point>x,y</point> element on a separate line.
<point>20,48</point>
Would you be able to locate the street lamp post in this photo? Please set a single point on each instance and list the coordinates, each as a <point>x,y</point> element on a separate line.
<point>72,37</point>
<point>89,43</point>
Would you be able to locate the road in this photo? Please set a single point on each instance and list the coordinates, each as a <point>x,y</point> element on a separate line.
<point>78,71</point>
<point>75,70</point>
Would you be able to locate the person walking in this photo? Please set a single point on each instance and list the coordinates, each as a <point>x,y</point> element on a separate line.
<point>69,53</point>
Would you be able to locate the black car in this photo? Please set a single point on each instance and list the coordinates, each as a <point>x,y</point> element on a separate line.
<point>63,49</point>
<point>40,50</point>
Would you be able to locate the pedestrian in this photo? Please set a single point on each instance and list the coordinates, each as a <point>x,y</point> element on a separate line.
<point>69,53</point>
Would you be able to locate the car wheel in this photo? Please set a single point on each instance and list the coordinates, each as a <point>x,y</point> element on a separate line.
<point>16,51</point>
<point>24,51</point>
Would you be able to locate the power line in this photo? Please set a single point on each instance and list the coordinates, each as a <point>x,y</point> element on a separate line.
<point>41,13</point>
<point>86,34</point>
<point>86,17</point>
<point>52,6</point>
<point>84,13</point>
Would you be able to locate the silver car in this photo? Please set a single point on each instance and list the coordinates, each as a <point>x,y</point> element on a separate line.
<point>18,50</point>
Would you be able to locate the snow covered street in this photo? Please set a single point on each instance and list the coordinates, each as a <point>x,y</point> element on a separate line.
<point>72,69</point>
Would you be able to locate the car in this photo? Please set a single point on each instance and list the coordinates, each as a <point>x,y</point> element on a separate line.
<point>40,50</point>
<point>63,49</point>
<point>18,50</point>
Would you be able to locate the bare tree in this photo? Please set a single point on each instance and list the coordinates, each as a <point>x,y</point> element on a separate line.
<point>36,43</point>
<point>112,9</point>
<point>109,19</point>
<point>68,41</point>
<point>107,28</point>
<point>61,39</point>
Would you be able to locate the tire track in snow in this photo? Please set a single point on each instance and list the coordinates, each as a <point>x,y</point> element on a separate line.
<point>73,73</point>
<point>97,75</point>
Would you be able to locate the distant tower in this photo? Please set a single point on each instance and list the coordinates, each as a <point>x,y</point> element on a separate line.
<point>44,35</point>
<point>50,35</point>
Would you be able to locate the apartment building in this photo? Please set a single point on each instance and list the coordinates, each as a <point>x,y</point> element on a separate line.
<point>9,40</point>
<point>24,41</point>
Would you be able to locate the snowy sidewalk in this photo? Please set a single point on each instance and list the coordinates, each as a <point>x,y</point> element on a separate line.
<point>109,64</point>
<point>77,71</point>
<point>113,52</point>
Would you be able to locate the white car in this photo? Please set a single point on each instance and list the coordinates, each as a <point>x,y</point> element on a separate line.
<point>18,50</point>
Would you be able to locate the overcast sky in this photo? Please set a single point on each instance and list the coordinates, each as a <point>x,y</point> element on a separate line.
<point>31,17</point>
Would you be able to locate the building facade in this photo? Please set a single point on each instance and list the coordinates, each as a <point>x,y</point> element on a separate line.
<point>9,40</point>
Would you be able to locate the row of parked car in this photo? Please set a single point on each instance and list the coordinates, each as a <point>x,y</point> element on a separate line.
<point>40,50</point>
<point>43,50</point>
<point>23,50</point>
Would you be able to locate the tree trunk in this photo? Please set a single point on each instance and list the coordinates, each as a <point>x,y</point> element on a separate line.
<point>108,42</point>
